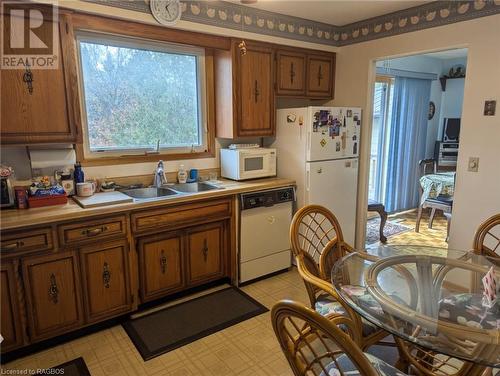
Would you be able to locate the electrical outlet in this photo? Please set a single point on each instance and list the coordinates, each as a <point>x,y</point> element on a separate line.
<point>473,164</point>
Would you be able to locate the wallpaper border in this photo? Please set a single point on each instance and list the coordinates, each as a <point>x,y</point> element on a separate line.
<point>239,17</point>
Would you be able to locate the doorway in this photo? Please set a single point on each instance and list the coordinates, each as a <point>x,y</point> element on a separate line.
<point>417,107</point>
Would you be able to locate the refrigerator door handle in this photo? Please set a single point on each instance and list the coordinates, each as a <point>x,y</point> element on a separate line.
<point>308,180</point>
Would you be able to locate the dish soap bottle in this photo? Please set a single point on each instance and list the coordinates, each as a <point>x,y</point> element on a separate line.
<point>78,173</point>
<point>182,175</point>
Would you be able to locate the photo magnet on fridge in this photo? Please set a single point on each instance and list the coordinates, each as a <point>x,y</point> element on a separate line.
<point>337,146</point>
<point>349,113</point>
<point>355,118</point>
<point>316,122</point>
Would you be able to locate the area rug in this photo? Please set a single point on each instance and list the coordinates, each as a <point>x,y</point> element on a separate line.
<point>390,229</point>
<point>178,325</point>
<point>75,367</point>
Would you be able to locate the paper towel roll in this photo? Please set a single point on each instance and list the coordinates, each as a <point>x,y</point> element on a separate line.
<point>52,158</point>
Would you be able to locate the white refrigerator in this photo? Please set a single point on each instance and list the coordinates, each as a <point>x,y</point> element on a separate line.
<point>318,147</point>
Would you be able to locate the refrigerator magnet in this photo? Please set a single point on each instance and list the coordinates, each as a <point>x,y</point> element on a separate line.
<point>322,142</point>
<point>290,118</point>
<point>355,118</point>
<point>337,146</point>
<point>349,113</point>
<point>301,120</point>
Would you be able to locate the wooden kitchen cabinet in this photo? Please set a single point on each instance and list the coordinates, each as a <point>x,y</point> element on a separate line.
<point>206,252</point>
<point>105,280</point>
<point>291,73</point>
<point>320,75</point>
<point>161,268</point>
<point>49,111</point>
<point>53,298</point>
<point>244,91</point>
<point>11,329</point>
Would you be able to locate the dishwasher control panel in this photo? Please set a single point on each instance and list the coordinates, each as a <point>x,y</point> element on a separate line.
<point>267,198</point>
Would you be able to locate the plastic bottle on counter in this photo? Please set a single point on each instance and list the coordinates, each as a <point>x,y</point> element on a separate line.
<point>78,174</point>
<point>182,174</point>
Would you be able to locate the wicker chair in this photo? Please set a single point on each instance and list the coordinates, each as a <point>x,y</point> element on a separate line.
<point>429,363</point>
<point>487,238</point>
<point>315,345</point>
<point>317,243</point>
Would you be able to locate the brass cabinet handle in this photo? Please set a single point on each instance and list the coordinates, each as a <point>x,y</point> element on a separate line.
<point>205,250</point>
<point>320,75</point>
<point>163,262</point>
<point>106,275</point>
<point>53,290</point>
<point>28,79</point>
<point>256,91</point>
<point>11,246</point>
<point>94,231</point>
<point>292,73</point>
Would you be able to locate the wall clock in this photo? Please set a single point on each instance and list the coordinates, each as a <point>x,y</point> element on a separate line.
<point>166,12</point>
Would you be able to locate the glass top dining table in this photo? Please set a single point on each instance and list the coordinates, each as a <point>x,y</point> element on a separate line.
<point>426,295</point>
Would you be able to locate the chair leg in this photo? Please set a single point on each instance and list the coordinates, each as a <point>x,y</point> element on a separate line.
<point>448,219</point>
<point>431,218</point>
<point>383,219</point>
<point>419,217</point>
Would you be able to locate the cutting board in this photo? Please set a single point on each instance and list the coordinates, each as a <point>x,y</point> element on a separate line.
<point>102,199</point>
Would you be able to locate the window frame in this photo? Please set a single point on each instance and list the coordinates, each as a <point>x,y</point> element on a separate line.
<point>207,104</point>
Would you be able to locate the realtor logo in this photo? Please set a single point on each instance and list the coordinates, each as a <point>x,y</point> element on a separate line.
<point>30,38</point>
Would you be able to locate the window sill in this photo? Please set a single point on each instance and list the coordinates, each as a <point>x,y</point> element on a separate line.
<point>127,159</point>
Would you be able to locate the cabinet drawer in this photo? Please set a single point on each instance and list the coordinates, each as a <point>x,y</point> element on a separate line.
<point>32,240</point>
<point>89,231</point>
<point>181,215</point>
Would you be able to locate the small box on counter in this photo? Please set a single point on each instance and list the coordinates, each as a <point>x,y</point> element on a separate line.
<point>49,200</point>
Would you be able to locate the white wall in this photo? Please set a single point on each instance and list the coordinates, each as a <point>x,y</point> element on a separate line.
<point>477,195</point>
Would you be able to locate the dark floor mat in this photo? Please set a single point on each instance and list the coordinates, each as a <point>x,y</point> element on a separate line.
<point>178,325</point>
<point>75,367</point>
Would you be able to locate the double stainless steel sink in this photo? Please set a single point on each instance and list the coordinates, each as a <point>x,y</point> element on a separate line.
<point>169,190</point>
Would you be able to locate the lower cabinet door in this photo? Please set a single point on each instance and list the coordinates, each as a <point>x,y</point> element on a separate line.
<point>52,287</point>
<point>205,252</point>
<point>11,328</point>
<point>160,265</point>
<point>106,280</point>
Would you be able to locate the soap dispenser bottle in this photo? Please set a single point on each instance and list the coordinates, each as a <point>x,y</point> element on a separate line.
<point>182,174</point>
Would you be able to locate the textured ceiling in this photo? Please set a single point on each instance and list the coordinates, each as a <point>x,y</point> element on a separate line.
<point>333,12</point>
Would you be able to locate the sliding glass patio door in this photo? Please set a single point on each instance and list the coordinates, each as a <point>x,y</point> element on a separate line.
<point>382,104</point>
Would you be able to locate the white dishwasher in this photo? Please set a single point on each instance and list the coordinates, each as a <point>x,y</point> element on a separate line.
<point>265,218</point>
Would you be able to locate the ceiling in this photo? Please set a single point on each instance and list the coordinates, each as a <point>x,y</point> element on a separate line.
<point>448,54</point>
<point>334,12</point>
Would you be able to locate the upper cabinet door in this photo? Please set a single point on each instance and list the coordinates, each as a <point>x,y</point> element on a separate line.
<point>256,91</point>
<point>291,73</point>
<point>320,75</point>
<point>41,105</point>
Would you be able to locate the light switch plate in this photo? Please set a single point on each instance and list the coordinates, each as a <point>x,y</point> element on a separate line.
<point>473,164</point>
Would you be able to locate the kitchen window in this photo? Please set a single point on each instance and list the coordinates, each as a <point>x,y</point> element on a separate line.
<point>138,94</point>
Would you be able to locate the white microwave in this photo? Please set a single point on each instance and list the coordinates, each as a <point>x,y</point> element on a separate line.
<point>250,163</point>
